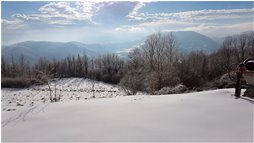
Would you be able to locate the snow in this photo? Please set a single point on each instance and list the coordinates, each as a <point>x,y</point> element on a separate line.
<point>68,88</point>
<point>207,116</point>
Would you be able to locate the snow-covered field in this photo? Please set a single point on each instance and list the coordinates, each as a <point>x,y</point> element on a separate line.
<point>193,117</point>
<point>68,88</point>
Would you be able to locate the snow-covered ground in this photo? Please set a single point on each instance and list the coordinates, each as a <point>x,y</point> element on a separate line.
<point>67,88</point>
<point>193,117</point>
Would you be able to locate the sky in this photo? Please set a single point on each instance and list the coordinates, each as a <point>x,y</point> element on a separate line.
<point>120,21</point>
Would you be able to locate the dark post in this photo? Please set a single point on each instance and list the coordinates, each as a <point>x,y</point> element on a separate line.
<point>238,84</point>
<point>239,76</point>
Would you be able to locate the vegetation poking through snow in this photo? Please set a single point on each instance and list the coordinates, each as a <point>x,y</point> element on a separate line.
<point>68,89</point>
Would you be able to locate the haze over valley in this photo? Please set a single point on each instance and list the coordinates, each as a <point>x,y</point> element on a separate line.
<point>34,50</point>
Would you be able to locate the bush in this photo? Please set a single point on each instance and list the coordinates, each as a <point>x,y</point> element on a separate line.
<point>132,83</point>
<point>192,80</point>
<point>171,78</point>
<point>151,83</point>
<point>15,82</point>
<point>224,82</point>
<point>172,90</point>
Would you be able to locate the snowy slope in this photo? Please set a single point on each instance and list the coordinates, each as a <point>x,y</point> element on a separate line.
<point>67,88</point>
<point>204,116</point>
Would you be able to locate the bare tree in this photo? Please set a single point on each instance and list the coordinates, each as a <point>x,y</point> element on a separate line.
<point>3,66</point>
<point>46,77</point>
<point>136,59</point>
<point>193,69</point>
<point>243,40</point>
<point>22,65</point>
<point>79,64</point>
<point>160,53</point>
<point>152,66</point>
<point>14,67</point>
<point>227,51</point>
<point>108,68</point>
<point>133,79</point>
<point>93,78</point>
<point>85,63</point>
<point>251,44</point>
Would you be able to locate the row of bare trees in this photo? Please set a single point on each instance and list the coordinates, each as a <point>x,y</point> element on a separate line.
<point>107,68</point>
<point>236,49</point>
<point>157,64</point>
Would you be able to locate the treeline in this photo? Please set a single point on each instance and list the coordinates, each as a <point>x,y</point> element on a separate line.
<point>155,65</point>
<point>160,64</point>
<point>19,73</point>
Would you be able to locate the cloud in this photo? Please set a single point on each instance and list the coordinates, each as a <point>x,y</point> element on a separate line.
<point>129,29</point>
<point>63,13</point>
<point>214,22</point>
<point>209,29</point>
<point>201,28</point>
<point>160,25</point>
<point>215,14</point>
<point>89,35</point>
<point>164,22</point>
<point>136,21</point>
<point>218,30</point>
<point>134,14</point>
<point>230,29</point>
<point>12,24</point>
<point>187,16</point>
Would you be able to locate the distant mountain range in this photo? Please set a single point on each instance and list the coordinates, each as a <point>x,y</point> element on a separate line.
<point>33,50</point>
<point>191,41</point>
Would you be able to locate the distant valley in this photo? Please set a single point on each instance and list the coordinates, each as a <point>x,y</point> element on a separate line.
<point>33,50</point>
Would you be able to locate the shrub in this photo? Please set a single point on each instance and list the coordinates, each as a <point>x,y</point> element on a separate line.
<point>15,82</point>
<point>132,83</point>
<point>172,90</point>
<point>192,79</point>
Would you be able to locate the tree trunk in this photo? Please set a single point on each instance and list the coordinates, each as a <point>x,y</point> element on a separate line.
<point>50,94</point>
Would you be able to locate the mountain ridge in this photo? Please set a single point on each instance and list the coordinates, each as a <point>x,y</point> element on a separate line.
<point>33,50</point>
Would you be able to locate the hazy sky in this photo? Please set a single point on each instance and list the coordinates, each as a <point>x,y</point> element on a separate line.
<point>113,22</point>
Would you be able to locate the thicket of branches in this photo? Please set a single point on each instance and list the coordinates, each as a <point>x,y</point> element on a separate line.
<point>157,64</point>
